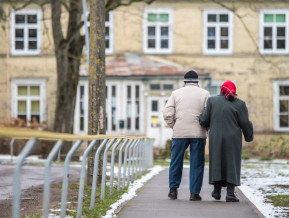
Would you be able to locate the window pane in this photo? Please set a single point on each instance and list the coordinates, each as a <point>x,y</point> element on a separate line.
<point>19,45</point>
<point>128,92</point>
<point>211,44</point>
<point>211,31</point>
<point>32,33</point>
<point>168,87</point>
<point>113,91</point>
<point>164,18</point>
<point>212,18</point>
<point>152,17</point>
<point>154,105</point>
<point>22,117</point>
<point>81,123</point>
<point>155,86</point>
<point>35,90</point>
<point>81,92</point>
<point>268,31</point>
<point>284,121</point>
<point>106,31</point>
<point>268,18</point>
<point>32,18</point>
<point>19,18</point>
<point>137,91</point>
<point>284,90</point>
<point>137,123</point>
<point>19,33</point>
<point>224,44</point>
<point>281,44</point>
<point>35,107</point>
<point>106,43</point>
<point>151,31</point>
<point>267,44</point>
<point>21,107</point>
<point>164,43</point>
<point>224,18</point>
<point>151,43</point>
<point>32,45</point>
<point>22,91</point>
<point>224,31</point>
<point>107,17</point>
<point>280,31</point>
<point>164,31</point>
<point>35,118</point>
<point>81,107</point>
<point>137,107</point>
<point>280,18</point>
<point>284,106</point>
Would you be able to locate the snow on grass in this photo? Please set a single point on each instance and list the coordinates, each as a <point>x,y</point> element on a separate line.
<point>260,179</point>
<point>133,187</point>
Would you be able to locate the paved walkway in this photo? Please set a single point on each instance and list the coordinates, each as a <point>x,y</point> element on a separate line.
<point>152,201</point>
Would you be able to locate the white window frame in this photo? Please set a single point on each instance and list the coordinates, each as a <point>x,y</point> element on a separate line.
<point>25,26</point>
<point>109,24</point>
<point>42,97</point>
<point>146,23</point>
<point>274,35</point>
<point>217,25</point>
<point>277,97</point>
<point>76,128</point>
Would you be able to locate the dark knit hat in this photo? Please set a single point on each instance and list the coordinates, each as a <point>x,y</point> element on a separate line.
<point>191,77</point>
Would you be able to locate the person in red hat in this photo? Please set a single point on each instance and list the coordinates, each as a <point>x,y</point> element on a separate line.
<point>227,118</point>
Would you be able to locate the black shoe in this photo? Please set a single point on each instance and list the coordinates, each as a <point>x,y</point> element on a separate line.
<point>173,194</point>
<point>216,195</point>
<point>195,197</point>
<point>232,198</point>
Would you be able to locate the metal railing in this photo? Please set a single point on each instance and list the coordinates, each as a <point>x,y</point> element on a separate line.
<point>134,153</point>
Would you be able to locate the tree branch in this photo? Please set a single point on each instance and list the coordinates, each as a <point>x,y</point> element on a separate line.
<point>56,22</point>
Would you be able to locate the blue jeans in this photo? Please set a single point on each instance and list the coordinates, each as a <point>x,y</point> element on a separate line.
<point>197,162</point>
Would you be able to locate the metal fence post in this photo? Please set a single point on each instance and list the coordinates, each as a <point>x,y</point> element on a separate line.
<point>125,161</point>
<point>65,177</point>
<point>103,178</point>
<point>112,166</point>
<point>46,192</point>
<point>82,177</point>
<point>119,163</point>
<point>129,161</point>
<point>95,173</point>
<point>11,148</point>
<point>17,175</point>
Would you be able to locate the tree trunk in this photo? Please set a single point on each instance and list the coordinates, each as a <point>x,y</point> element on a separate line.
<point>96,109</point>
<point>68,54</point>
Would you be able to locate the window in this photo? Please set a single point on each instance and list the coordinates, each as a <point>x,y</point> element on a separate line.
<point>274,31</point>
<point>281,105</point>
<point>113,108</point>
<point>108,33</point>
<point>168,87</point>
<point>28,100</point>
<point>25,32</point>
<point>80,125</point>
<point>137,109</point>
<point>155,87</point>
<point>214,87</point>
<point>128,108</point>
<point>155,105</point>
<point>218,32</point>
<point>81,108</point>
<point>157,31</point>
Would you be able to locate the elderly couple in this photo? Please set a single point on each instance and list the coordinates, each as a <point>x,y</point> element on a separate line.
<point>190,112</point>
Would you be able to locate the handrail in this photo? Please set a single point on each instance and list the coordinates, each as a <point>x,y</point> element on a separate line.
<point>134,155</point>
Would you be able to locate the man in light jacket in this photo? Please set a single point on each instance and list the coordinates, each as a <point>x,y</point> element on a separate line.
<point>181,113</point>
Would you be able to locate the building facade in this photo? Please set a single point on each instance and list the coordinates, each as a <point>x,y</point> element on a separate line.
<point>149,48</point>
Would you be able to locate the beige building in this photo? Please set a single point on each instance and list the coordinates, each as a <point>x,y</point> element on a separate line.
<point>149,48</point>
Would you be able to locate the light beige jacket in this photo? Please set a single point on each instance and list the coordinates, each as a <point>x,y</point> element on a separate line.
<point>183,109</point>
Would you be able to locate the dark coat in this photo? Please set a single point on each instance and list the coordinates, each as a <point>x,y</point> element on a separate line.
<point>226,120</point>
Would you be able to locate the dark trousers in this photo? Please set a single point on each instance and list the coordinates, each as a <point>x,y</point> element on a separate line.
<point>197,162</point>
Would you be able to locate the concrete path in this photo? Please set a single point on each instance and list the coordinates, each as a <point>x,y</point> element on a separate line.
<point>152,201</point>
